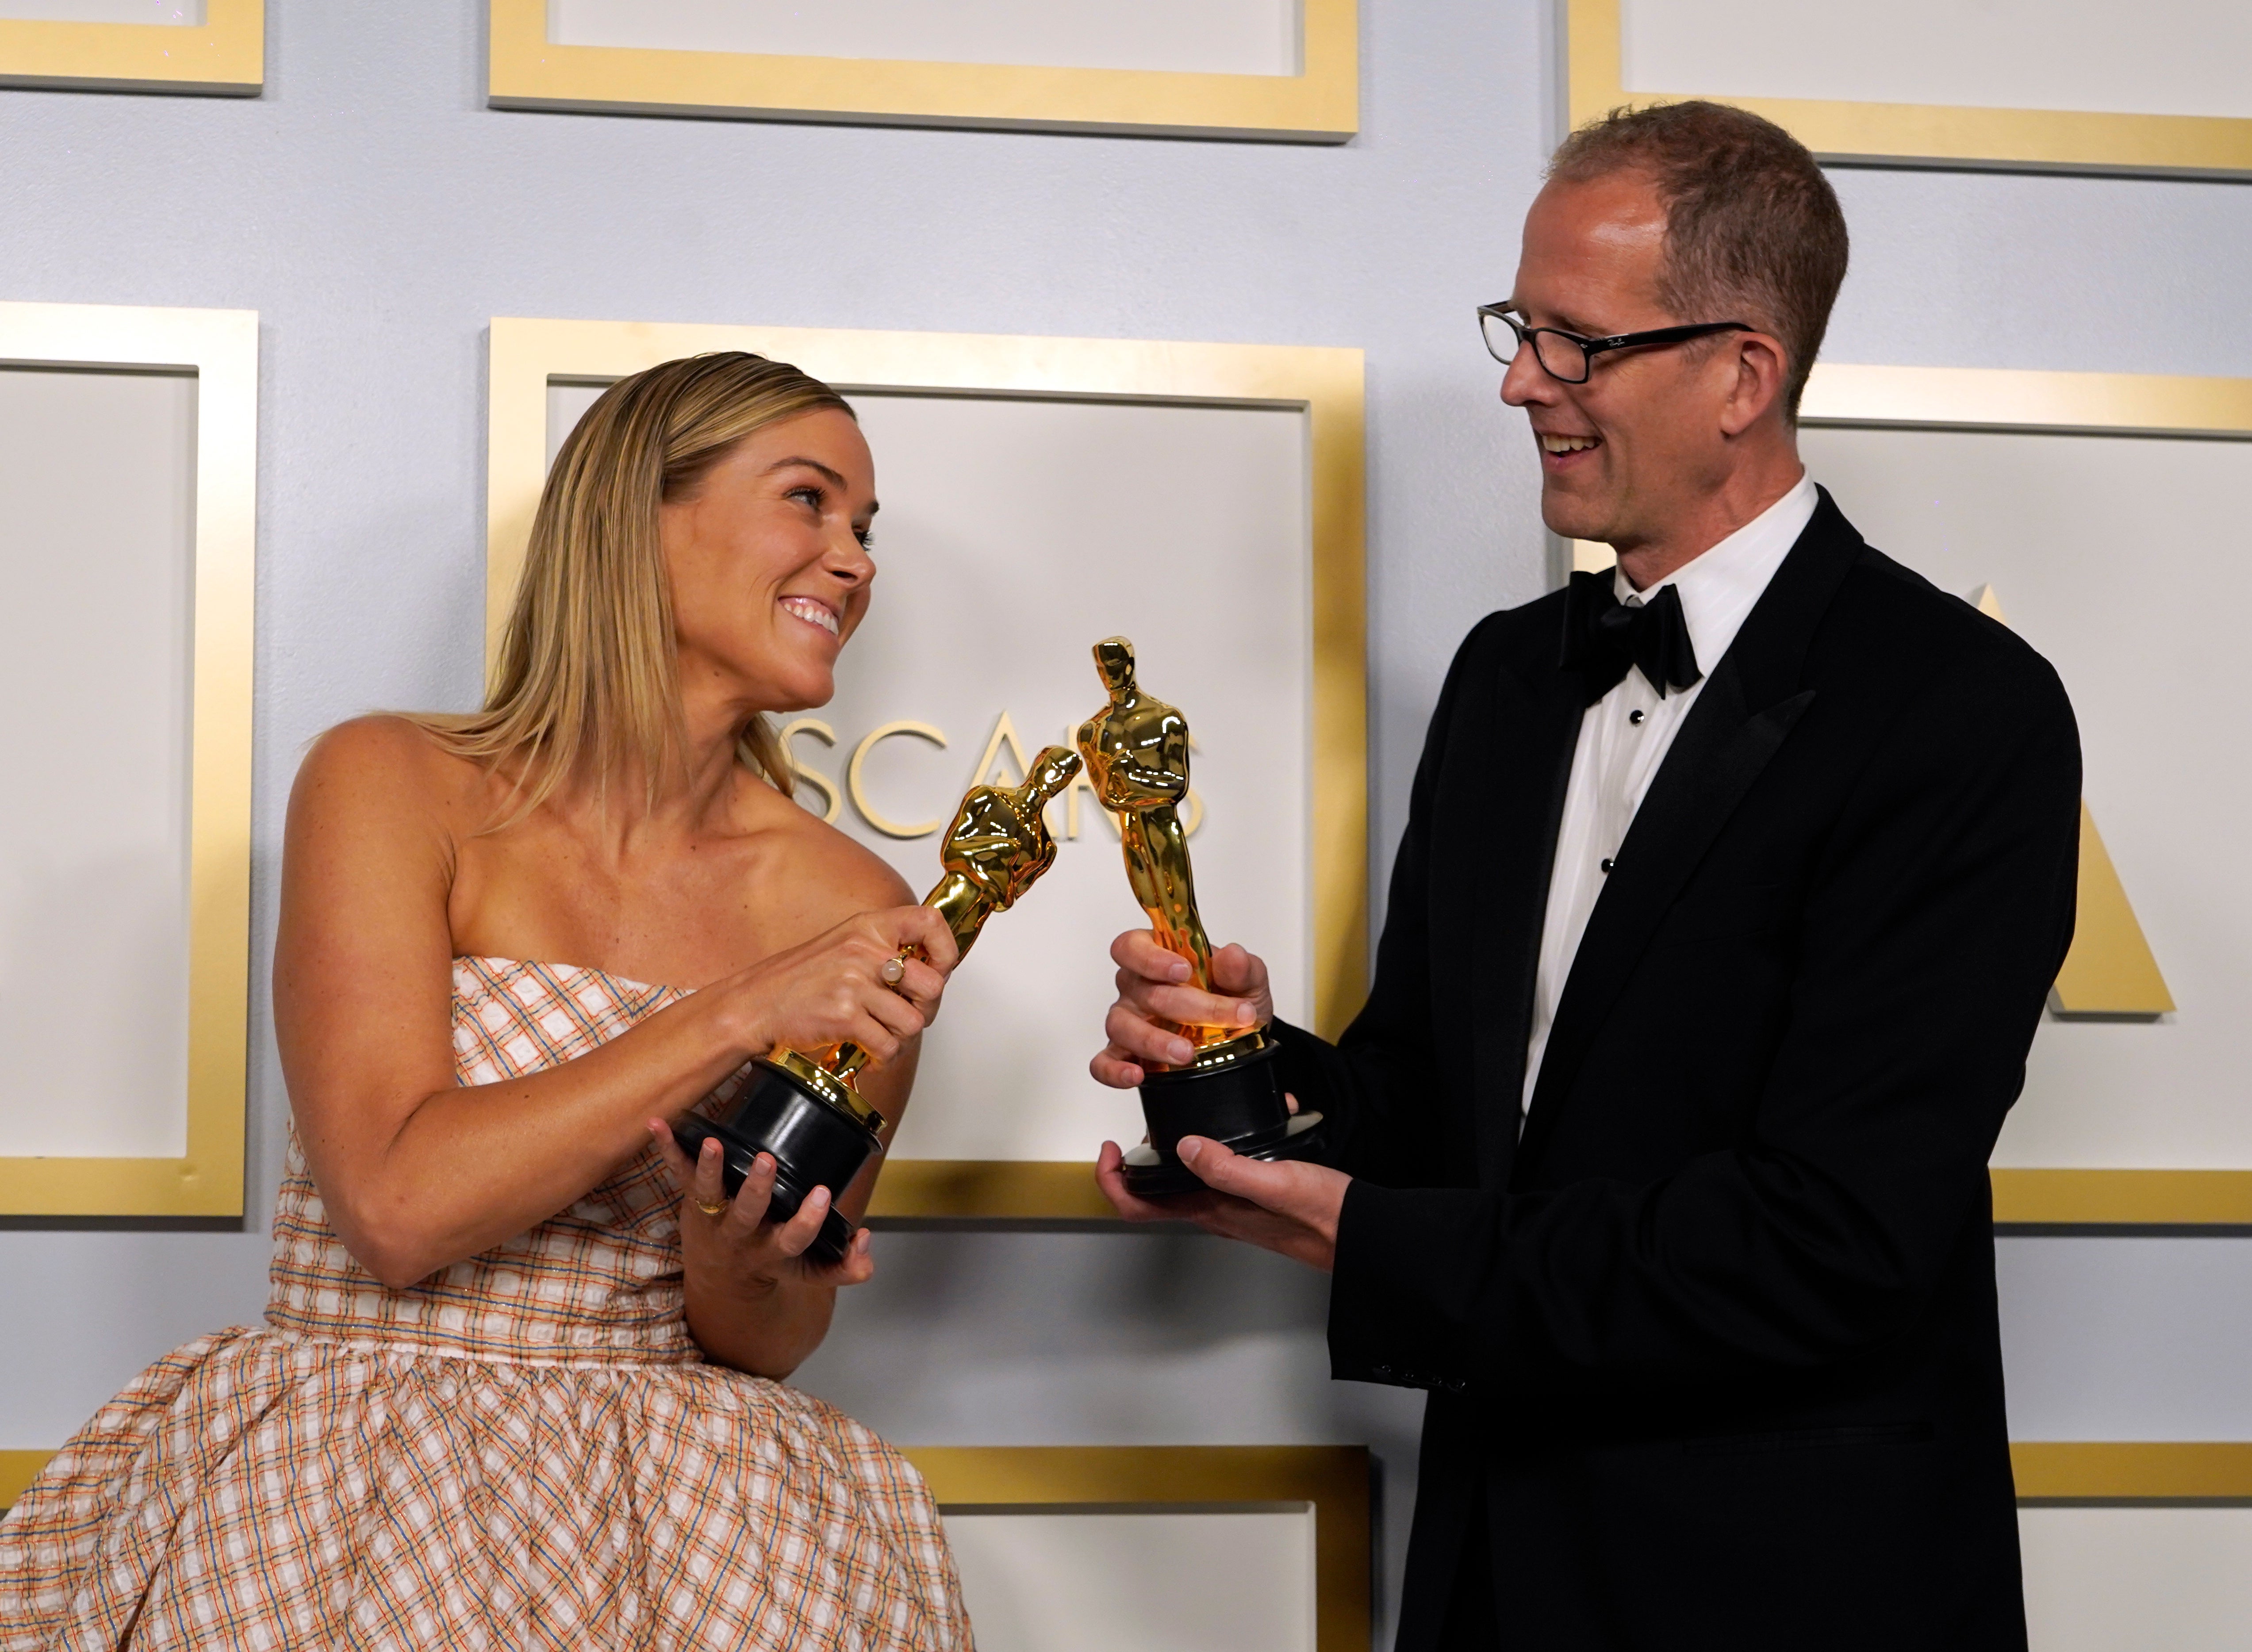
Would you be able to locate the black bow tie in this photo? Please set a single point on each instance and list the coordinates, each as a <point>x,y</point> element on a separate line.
<point>1605,639</point>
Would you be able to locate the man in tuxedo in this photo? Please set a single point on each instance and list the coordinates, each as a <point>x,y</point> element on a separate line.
<point>1732,886</point>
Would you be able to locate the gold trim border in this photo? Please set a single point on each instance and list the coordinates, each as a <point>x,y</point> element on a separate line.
<point>1319,105</point>
<point>220,347</point>
<point>225,57</point>
<point>2132,1471</point>
<point>1327,384</point>
<point>2121,1471</point>
<point>2030,139</point>
<point>1334,1479</point>
<point>2087,403</point>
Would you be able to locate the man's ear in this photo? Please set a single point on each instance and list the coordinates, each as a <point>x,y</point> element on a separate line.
<point>1757,391</point>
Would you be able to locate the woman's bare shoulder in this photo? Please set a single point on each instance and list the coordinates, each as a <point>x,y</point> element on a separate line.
<point>851,876</point>
<point>392,765</point>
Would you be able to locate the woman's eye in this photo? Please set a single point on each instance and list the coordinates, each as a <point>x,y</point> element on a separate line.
<point>809,493</point>
<point>866,537</point>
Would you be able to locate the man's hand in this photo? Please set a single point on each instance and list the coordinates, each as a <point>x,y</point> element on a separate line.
<point>1152,991</point>
<point>1289,1208</point>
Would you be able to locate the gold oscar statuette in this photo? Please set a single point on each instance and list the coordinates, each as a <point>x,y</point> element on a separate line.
<point>807,1111</point>
<point>1136,749</point>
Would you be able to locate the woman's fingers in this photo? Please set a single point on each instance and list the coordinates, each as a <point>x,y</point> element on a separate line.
<point>923,929</point>
<point>749,1208</point>
<point>898,1016</point>
<point>922,985</point>
<point>676,1161</point>
<point>794,1236</point>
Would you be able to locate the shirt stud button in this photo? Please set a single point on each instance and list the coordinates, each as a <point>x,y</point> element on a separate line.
<point>1607,863</point>
<point>1635,716</point>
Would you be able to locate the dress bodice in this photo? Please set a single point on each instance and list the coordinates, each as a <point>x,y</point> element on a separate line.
<point>598,1281</point>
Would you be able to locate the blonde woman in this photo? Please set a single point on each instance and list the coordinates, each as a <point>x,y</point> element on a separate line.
<point>519,1382</point>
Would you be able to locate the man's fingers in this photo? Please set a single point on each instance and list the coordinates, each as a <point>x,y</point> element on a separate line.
<point>1111,1177</point>
<point>1138,950</point>
<point>1235,969</point>
<point>1114,1067</point>
<point>1145,1041</point>
<point>1191,1007</point>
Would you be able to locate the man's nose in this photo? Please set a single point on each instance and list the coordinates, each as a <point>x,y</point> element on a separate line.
<point>1523,382</point>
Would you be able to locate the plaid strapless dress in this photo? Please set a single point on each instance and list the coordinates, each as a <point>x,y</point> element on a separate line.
<point>525,1451</point>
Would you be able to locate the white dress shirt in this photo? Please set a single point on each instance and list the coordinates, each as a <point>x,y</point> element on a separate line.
<point>1625,735</point>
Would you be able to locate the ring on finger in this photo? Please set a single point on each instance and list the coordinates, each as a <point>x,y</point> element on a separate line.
<point>893,972</point>
<point>714,1208</point>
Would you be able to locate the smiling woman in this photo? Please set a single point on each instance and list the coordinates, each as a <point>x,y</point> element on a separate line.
<point>513,1332</point>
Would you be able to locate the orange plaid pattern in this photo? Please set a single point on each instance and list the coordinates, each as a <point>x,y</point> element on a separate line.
<point>525,1451</point>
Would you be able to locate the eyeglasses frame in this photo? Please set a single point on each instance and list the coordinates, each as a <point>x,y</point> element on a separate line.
<point>1591,348</point>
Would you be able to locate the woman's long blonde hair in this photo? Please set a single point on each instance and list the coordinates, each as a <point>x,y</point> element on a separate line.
<point>586,681</point>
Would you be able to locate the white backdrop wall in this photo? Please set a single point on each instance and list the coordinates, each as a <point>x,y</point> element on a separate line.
<point>376,215</point>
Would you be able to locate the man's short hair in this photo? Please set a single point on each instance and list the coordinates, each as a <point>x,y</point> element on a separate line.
<point>1753,230</point>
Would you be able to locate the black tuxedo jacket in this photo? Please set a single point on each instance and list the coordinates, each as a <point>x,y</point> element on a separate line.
<point>1715,1339</point>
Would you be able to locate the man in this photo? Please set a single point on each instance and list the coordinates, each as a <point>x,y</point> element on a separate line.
<point>1731,890</point>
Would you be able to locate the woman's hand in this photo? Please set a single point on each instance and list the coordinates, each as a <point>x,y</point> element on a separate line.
<point>1152,991</point>
<point>834,988</point>
<point>754,1300</point>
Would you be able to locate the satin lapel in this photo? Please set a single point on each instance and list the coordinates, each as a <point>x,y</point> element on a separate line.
<point>1740,721</point>
<point>1507,840</point>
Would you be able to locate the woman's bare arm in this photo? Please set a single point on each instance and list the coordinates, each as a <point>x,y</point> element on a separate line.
<point>418,1172</point>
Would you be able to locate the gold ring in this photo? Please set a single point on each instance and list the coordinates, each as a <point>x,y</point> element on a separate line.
<point>893,972</point>
<point>720,1209</point>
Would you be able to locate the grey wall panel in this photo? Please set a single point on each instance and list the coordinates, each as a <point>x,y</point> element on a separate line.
<point>377,214</point>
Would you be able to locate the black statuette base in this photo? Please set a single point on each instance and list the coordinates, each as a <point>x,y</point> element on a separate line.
<point>1240,1105</point>
<point>814,1145</point>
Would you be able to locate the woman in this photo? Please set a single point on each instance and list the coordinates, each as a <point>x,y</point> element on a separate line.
<point>519,1382</point>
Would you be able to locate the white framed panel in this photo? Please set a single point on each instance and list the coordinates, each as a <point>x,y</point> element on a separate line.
<point>2101,513</point>
<point>1244,1548</point>
<point>1015,533</point>
<point>1039,495</point>
<point>1187,1579</point>
<point>128,455</point>
<point>2066,527</point>
<point>2098,1580</point>
<point>97,486</point>
<point>1277,70</point>
<point>2117,57</point>
<point>1195,36</point>
<point>2079,84</point>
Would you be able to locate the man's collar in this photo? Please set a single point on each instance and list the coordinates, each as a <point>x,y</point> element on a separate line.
<point>1718,586</point>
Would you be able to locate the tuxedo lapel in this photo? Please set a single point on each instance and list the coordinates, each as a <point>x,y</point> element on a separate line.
<point>1514,759</point>
<point>1740,721</point>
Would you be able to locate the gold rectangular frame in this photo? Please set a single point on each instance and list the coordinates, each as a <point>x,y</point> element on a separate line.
<point>1319,105</point>
<point>1325,384</point>
<point>1334,1479</point>
<point>225,57</point>
<point>220,348</point>
<point>2092,404</point>
<point>1906,132</point>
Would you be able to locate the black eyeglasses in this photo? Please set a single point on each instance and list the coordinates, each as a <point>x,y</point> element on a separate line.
<point>1568,356</point>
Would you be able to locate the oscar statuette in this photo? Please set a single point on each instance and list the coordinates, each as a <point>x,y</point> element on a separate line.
<point>1137,750</point>
<point>807,1111</point>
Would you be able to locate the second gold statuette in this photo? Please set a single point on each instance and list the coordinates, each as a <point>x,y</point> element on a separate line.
<point>807,1110</point>
<point>1136,749</point>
